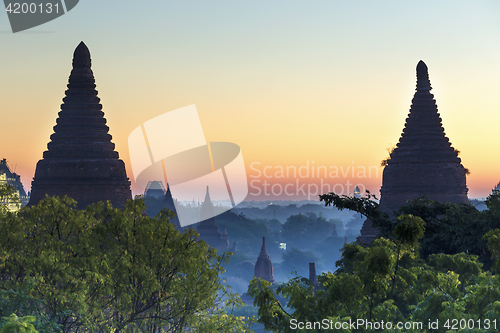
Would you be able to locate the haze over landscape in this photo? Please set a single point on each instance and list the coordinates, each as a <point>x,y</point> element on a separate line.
<point>282,100</point>
<point>294,85</point>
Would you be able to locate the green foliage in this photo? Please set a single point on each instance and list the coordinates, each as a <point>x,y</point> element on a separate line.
<point>366,206</point>
<point>108,270</point>
<point>11,301</point>
<point>492,238</point>
<point>409,229</point>
<point>271,313</point>
<point>387,281</point>
<point>449,228</point>
<point>386,160</point>
<point>8,199</point>
<point>431,264</point>
<point>14,324</point>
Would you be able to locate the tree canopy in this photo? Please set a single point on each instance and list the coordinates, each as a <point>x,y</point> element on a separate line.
<point>402,278</point>
<point>109,270</point>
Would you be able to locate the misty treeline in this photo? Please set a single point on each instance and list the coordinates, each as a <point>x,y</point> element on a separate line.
<point>436,264</point>
<point>308,235</point>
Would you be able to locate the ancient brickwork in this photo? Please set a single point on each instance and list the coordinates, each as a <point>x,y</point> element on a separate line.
<point>423,163</point>
<point>81,161</point>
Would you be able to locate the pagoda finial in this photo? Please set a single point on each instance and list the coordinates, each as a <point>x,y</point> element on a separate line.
<point>81,56</point>
<point>207,195</point>
<point>263,250</point>
<point>423,83</point>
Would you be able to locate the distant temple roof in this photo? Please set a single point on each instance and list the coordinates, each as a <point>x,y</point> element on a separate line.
<point>155,189</point>
<point>7,177</point>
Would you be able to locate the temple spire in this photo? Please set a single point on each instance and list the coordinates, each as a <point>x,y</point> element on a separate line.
<point>168,203</point>
<point>264,267</point>
<point>207,229</point>
<point>423,82</point>
<point>263,250</point>
<point>207,196</point>
<point>81,57</point>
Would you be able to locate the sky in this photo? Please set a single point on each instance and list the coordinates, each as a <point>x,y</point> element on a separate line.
<point>296,84</point>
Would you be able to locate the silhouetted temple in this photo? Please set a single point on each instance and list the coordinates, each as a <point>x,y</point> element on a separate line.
<point>81,161</point>
<point>168,203</point>
<point>154,189</point>
<point>12,179</point>
<point>423,163</point>
<point>209,232</point>
<point>264,266</point>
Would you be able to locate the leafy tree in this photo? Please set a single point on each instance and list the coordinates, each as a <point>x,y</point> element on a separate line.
<point>109,270</point>
<point>374,285</point>
<point>389,280</point>
<point>14,324</point>
<point>449,228</point>
<point>9,200</point>
<point>493,242</point>
<point>366,206</point>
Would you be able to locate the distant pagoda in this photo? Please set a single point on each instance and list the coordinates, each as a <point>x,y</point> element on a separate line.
<point>207,229</point>
<point>264,266</point>
<point>81,161</point>
<point>357,192</point>
<point>12,179</point>
<point>154,189</point>
<point>168,203</point>
<point>423,163</point>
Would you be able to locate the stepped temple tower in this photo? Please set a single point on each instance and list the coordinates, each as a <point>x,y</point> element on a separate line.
<point>264,266</point>
<point>423,163</point>
<point>81,161</point>
<point>207,229</point>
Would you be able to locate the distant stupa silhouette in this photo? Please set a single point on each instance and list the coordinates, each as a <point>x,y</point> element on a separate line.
<point>264,267</point>
<point>80,161</point>
<point>207,229</point>
<point>168,203</point>
<point>423,163</point>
